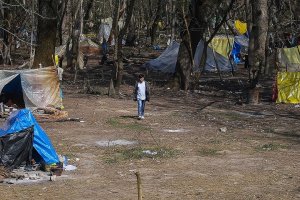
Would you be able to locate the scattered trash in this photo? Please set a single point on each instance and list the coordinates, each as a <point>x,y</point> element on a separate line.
<point>149,152</point>
<point>223,129</point>
<point>107,143</point>
<point>176,130</point>
<point>70,167</point>
<point>53,178</point>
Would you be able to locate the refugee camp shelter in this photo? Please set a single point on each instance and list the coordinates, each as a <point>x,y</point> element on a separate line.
<point>86,48</point>
<point>288,77</point>
<point>166,62</point>
<point>32,88</point>
<point>21,138</point>
<point>240,48</point>
<point>218,53</point>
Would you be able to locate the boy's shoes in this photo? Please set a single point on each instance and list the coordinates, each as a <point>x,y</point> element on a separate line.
<point>141,117</point>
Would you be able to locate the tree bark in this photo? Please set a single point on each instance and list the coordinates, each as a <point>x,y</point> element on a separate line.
<point>46,33</point>
<point>114,32</point>
<point>258,37</point>
<point>120,66</point>
<point>62,11</point>
<point>155,23</point>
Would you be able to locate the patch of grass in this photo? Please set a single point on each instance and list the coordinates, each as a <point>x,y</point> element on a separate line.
<point>214,141</point>
<point>116,123</point>
<point>139,153</point>
<point>271,147</point>
<point>209,152</point>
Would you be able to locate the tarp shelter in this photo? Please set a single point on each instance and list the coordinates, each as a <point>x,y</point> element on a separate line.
<point>20,120</point>
<point>214,60</point>
<point>16,148</point>
<point>166,62</point>
<point>105,28</point>
<point>240,46</point>
<point>288,77</point>
<point>288,86</point>
<point>240,26</point>
<point>289,59</point>
<point>104,32</point>
<point>34,87</point>
<point>87,47</point>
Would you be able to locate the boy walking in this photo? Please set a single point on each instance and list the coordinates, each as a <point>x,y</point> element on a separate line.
<point>141,95</point>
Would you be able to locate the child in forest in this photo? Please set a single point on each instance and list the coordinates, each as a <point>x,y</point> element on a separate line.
<point>141,94</point>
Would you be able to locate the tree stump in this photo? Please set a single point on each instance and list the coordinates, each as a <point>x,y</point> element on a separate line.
<point>254,96</point>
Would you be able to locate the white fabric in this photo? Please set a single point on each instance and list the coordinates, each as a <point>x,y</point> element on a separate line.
<point>60,72</point>
<point>40,87</point>
<point>141,93</point>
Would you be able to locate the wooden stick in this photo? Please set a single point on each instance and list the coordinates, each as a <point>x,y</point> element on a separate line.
<point>139,185</point>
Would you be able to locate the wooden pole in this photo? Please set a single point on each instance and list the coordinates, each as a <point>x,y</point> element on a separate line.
<point>139,185</point>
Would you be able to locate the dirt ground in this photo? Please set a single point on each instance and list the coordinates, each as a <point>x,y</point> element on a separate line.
<point>196,145</point>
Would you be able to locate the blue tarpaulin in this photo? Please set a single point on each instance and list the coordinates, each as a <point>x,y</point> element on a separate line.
<point>23,119</point>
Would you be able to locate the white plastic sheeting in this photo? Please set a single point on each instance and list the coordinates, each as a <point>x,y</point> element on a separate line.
<point>40,87</point>
<point>104,32</point>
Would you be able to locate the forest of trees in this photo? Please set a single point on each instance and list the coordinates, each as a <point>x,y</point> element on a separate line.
<point>41,25</point>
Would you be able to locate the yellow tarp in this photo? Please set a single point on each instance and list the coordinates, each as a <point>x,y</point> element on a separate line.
<point>288,85</point>
<point>56,58</point>
<point>222,45</point>
<point>241,27</point>
<point>292,54</point>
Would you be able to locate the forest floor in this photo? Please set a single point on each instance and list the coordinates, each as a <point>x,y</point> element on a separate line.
<point>203,144</point>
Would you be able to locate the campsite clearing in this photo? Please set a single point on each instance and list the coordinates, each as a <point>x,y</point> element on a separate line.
<point>178,149</point>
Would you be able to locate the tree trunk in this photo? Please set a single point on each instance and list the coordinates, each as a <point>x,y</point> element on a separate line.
<point>62,10</point>
<point>72,54</point>
<point>155,23</point>
<point>173,22</point>
<point>120,66</point>
<point>187,49</point>
<point>7,37</point>
<point>46,33</point>
<point>114,29</point>
<point>114,32</point>
<point>258,37</point>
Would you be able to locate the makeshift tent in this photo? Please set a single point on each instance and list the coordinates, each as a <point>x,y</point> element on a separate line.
<point>21,120</point>
<point>289,59</point>
<point>241,27</point>
<point>166,62</point>
<point>214,60</point>
<point>240,47</point>
<point>87,47</point>
<point>104,32</point>
<point>33,87</point>
<point>16,148</point>
<point>288,86</point>
<point>105,28</point>
<point>222,45</point>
